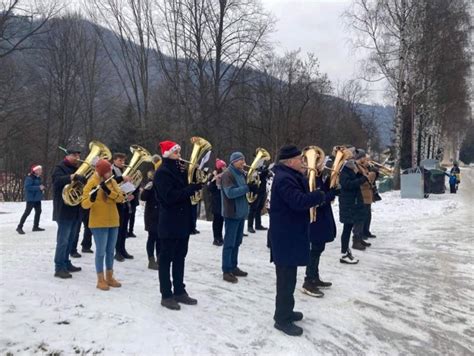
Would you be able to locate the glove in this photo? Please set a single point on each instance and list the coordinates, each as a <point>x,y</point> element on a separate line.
<point>79,178</point>
<point>253,188</point>
<point>93,196</point>
<point>105,188</point>
<point>330,196</point>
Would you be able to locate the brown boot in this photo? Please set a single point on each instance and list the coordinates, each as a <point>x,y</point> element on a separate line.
<point>101,283</point>
<point>152,263</point>
<point>111,281</point>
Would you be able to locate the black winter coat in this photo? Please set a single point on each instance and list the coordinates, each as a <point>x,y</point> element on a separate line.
<point>152,210</point>
<point>61,177</point>
<point>324,228</point>
<point>216,203</point>
<point>173,193</point>
<point>289,216</point>
<point>351,204</point>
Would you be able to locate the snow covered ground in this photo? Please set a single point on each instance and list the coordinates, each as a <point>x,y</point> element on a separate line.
<point>412,292</point>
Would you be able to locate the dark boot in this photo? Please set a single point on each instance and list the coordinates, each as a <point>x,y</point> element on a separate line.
<point>366,244</point>
<point>86,250</point>
<point>37,228</point>
<point>20,230</point>
<point>76,254</point>
<point>131,234</point>
<point>357,244</point>
<point>152,263</point>
<point>261,228</point>
<point>185,299</point>
<point>310,288</point>
<point>170,303</point>
<point>289,329</point>
<point>239,273</point>
<point>218,242</point>
<point>229,277</point>
<point>296,316</point>
<point>320,284</point>
<point>119,257</point>
<point>63,274</point>
<point>372,236</point>
<point>251,230</point>
<point>73,269</point>
<point>126,255</point>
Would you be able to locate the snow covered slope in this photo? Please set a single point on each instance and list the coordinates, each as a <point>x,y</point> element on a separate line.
<point>412,292</point>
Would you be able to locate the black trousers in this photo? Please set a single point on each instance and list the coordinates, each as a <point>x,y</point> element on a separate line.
<point>367,222</point>
<point>87,235</point>
<point>194,216</point>
<point>124,214</point>
<point>346,234</point>
<point>255,211</point>
<point>285,288</point>
<point>172,255</point>
<point>312,269</point>
<point>152,244</point>
<point>131,224</point>
<point>452,188</point>
<point>30,205</point>
<point>217,225</point>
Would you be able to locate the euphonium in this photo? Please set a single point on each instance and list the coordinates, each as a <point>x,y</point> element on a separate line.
<point>72,193</point>
<point>139,155</point>
<point>341,154</point>
<point>199,157</point>
<point>261,155</point>
<point>313,157</point>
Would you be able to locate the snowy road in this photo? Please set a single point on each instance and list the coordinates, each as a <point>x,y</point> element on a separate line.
<point>411,294</point>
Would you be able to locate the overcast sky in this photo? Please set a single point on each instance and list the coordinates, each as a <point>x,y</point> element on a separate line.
<point>317,26</point>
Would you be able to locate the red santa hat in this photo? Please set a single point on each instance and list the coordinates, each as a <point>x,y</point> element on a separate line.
<point>35,168</point>
<point>168,147</point>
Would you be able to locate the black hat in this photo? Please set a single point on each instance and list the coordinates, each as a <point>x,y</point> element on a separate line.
<point>72,150</point>
<point>288,151</point>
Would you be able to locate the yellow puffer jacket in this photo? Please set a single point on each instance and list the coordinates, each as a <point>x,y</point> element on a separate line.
<point>103,211</point>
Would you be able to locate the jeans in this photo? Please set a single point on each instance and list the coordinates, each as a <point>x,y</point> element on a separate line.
<point>64,243</point>
<point>346,234</point>
<point>105,239</point>
<point>217,225</point>
<point>173,251</point>
<point>152,244</point>
<point>285,288</point>
<point>367,222</point>
<point>234,232</point>
<point>30,205</point>
<point>312,269</point>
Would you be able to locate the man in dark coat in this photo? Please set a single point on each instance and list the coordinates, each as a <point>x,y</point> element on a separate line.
<point>352,210</point>
<point>289,224</point>
<point>214,187</point>
<point>67,217</point>
<point>322,231</point>
<point>174,226</point>
<point>34,190</point>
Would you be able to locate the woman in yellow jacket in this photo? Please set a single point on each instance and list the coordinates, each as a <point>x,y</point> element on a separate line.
<point>103,220</point>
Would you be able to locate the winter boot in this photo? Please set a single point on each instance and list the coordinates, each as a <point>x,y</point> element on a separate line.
<point>119,257</point>
<point>310,288</point>
<point>101,283</point>
<point>218,242</point>
<point>229,277</point>
<point>111,281</point>
<point>170,303</point>
<point>357,244</point>
<point>87,250</point>
<point>63,274</point>
<point>239,273</point>
<point>37,228</point>
<point>20,230</point>
<point>185,299</point>
<point>296,316</point>
<point>251,230</point>
<point>289,329</point>
<point>131,234</point>
<point>320,284</point>
<point>152,263</point>
<point>261,228</point>
<point>76,254</point>
<point>71,268</point>
<point>126,255</point>
<point>348,258</point>
<point>366,244</point>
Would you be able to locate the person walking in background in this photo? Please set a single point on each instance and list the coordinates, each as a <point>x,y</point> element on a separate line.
<point>67,217</point>
<point>101,195</point>
<point>214,187</point>
<point>455,178</point>
<point>34,191</point>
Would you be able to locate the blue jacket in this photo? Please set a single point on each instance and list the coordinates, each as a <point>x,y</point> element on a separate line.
<point>32,188</point>
<point>289,216</point>
<point>324,228</point>
<point>233,194</point>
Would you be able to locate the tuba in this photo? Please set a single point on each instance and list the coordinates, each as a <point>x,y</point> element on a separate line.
<point>196,171</point>
<point>341,154</point>
<point>261,155</point>
<point>139,155</point>
<point>313,157</point>
<point>72,193</point>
